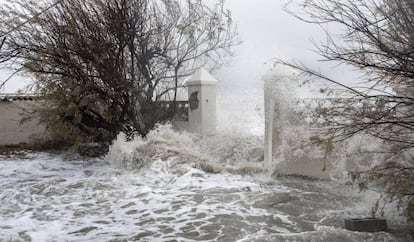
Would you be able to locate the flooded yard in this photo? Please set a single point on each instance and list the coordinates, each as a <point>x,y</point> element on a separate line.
<point>46,197</point>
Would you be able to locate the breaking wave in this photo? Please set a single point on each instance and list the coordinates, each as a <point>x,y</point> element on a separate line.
<point>173,185</point>
<point>214,154</point>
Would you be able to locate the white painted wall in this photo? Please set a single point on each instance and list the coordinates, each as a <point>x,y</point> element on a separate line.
<point>11,131</point>
<point>201,120</point>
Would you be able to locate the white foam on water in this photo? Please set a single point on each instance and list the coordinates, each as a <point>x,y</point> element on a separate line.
<point>51,198</point>
<point>60,200</point>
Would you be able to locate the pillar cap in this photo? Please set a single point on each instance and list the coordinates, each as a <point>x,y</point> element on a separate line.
<point>201,77</point>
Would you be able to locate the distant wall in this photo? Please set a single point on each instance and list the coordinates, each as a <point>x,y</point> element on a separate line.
<point>202,118</point>
<point>11,131</point>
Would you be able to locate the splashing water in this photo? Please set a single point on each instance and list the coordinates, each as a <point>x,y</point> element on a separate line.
<point>280,83</point>
<point>212,154</point>
<point>291,125</point>
<point>49,198</point>
<point>175,186</point>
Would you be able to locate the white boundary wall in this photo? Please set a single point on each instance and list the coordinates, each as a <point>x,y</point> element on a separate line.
<point>12,132</point>
<point>202,116</point>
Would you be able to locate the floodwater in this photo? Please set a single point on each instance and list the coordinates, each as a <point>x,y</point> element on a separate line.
<point>169,188</point>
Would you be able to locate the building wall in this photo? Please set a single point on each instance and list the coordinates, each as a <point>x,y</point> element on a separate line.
<point>11,131</point>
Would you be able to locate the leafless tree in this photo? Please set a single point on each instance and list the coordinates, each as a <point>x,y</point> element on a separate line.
<point>104,64</point>
<point>378,40</point>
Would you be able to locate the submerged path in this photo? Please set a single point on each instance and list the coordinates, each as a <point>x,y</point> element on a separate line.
<point>46,197</point>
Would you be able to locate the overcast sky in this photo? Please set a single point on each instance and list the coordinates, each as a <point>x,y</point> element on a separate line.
<point>267,32</point>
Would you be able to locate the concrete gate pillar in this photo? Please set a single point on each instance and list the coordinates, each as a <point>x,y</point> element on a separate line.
<point>202,103</point>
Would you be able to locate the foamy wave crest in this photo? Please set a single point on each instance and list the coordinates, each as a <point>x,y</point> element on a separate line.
<point>215,154</point>
<point>161,143</point>
<point>239,153</point>
<point>124,153</point>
